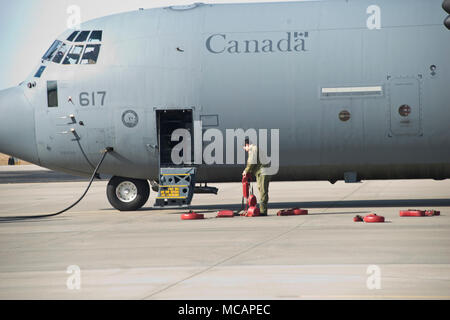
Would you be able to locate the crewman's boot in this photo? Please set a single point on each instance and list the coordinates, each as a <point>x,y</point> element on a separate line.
<point>263,209</point>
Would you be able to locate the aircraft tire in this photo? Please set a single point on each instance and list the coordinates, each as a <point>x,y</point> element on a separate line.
<point>127,194</point>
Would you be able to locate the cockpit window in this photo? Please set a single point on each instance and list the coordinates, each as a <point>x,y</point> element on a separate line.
<point>60,53</point>
<point>96,36</point>
<point>39,72</point>
<point>82,36</point>
<point>74,55</point>
<point>66,53</point>
<point>90,54</point>
<point>51,51</point>
<point>72,35</point>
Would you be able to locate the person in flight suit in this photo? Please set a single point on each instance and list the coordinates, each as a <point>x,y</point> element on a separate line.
<point>257,169</point>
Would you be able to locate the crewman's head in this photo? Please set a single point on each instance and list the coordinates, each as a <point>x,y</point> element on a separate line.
<point>246,144</point>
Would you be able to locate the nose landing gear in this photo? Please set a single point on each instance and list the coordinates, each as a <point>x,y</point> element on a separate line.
<point>127,194</point>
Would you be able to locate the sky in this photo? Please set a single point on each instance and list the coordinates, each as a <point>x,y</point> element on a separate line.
<point>29,27</point>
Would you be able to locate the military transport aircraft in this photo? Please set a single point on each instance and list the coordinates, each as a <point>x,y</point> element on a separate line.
<point>357,89</point>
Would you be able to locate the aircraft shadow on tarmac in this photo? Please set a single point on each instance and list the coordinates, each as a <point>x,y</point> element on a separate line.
<point>401,203</point>
<point>37,176</point>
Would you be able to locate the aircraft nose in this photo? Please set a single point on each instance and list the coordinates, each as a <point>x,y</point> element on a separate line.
<point>17,131</point>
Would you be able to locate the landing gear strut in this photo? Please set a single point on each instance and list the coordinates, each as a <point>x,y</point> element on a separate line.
<point>127,194</point>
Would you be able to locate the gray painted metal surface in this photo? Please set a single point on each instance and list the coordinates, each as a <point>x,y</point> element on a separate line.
<point>271,66</point>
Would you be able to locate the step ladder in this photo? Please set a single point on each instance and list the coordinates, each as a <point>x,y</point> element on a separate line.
<point>176,187</point>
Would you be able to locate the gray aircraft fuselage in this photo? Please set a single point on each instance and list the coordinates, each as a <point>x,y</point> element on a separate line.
<point>345,97</point>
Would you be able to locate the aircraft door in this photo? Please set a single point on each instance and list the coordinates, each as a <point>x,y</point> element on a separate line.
<point>167,122</point>
<point>405,107</point>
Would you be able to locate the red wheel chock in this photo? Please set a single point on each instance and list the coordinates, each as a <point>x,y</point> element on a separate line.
<point>192,216</point>
<point>432,213</point>
<point>419,213</point>
<point>292,212</point>
<point>358,218</point>
<point>285,212</point>
<point>299,212</point>
<point>412,213</point>
<point>252,212</point>
<point>373,218</point>
<point>225,214</point>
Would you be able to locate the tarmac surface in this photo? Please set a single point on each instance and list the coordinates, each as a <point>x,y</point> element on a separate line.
<point>153,254</point>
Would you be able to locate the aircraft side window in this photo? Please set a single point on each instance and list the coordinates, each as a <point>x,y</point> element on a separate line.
<point>51,51</point>
<point>74,55</point>
<point>39,72</point>
<point>72,36</point>
<point>90,54</point>
<point>52,94</point>
<point>82,36</point>
<point>96,36</point>
<point>60,53</point>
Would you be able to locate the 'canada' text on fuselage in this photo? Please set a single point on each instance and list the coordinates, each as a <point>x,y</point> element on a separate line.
<point>291,42</point>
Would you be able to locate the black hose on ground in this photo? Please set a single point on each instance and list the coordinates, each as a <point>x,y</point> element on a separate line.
<point>94,174</point>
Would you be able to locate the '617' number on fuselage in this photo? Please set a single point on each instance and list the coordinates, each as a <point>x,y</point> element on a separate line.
<point>92,98</point>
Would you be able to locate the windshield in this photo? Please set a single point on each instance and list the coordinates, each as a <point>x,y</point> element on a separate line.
<point>90,54</point>
<point>60,53</point>
<point>77,49</point>
<point>74,55</point>
<point>50,52</point>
